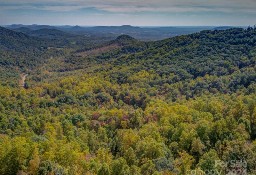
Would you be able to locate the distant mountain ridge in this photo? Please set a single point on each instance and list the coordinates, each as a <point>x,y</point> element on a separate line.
<point>111,32</point>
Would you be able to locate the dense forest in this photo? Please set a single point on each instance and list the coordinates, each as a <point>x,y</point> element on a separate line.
<point>180,106</point>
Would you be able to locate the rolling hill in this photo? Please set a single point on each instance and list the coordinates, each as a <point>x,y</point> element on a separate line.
<point>11,40</point>
<point>111,32</point>
<point>44,33</point>
<point>125,106</point>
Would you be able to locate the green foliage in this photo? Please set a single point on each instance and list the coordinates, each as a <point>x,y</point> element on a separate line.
<point>166,107</point>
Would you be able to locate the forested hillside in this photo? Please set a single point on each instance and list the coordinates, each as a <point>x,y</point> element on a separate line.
<point>29,51</point>
<point>184,105</point>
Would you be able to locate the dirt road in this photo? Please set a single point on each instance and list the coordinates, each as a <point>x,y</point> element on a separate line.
<point>22,80</point>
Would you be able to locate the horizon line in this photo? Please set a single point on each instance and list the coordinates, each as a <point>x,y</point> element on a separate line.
<point>128,25</point>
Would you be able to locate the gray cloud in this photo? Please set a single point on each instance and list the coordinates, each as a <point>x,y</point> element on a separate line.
<point>130,6</point>
<point>135,12</point>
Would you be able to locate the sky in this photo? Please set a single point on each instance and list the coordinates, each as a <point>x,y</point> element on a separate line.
<point>129,12</point>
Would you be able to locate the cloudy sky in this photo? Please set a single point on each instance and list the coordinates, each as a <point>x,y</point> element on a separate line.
<point>132,12</point>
